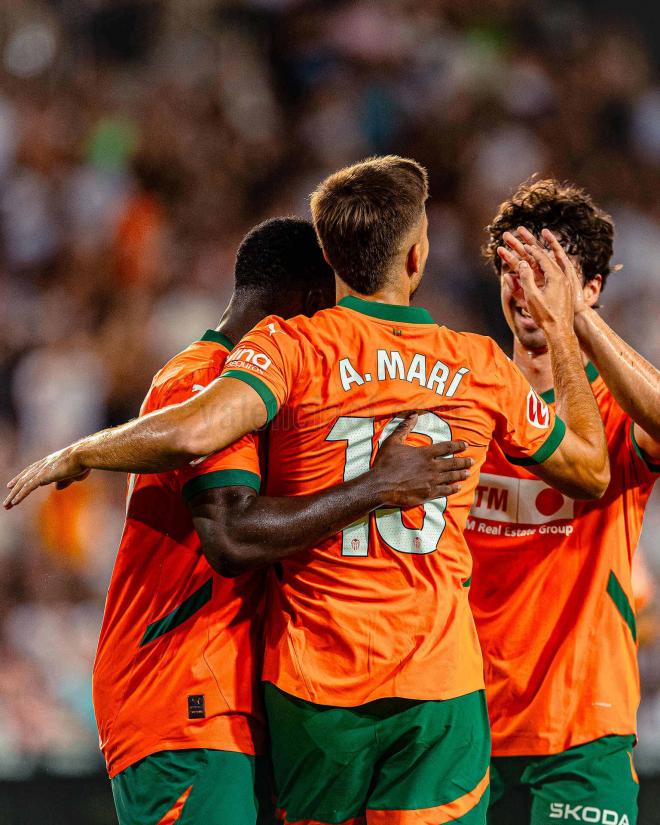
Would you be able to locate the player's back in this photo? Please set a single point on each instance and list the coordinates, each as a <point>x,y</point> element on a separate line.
<point>175,661</point>
<point>381,609</point>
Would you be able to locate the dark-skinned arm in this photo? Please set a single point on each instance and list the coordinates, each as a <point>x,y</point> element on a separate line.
<point>240,530</point>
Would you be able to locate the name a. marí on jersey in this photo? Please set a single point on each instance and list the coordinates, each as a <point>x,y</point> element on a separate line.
<point>390,366</point>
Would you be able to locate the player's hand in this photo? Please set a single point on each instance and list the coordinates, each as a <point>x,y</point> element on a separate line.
<point>412,475</point>
<point>515,251</point>
<point>546,278</point>
<point>61,468</point>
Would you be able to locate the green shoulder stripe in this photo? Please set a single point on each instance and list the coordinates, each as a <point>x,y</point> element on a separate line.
<point>180,614</point>
<point>546,449</point>
<point>259,386</point>
<point>220,478</point>
<point>622,604</point>
<point>654,468</point>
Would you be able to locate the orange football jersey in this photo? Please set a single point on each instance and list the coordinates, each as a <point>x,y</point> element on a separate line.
<point>551,595</point>
<point>382,608</point>
<point>178,652</point>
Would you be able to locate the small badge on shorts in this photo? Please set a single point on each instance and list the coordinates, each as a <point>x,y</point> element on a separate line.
<point>196,707</point>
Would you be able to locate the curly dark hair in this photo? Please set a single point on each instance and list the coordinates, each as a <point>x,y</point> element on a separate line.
<point>585,231</point>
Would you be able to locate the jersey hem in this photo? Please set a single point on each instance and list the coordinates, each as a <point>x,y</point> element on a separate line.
<point>260,387</point>
<point>546,449</point>
<point>220,478</point>
<point>525,746</point>
<point>302,693</point>
<point>179,745</point>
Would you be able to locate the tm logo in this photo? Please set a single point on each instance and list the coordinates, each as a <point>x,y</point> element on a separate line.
<point>586,813</point>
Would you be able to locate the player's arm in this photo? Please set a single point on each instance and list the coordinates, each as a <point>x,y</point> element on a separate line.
<point>240,530</point>
<point>633,382</point>
<point>579,466</point>
<point>163,440</point>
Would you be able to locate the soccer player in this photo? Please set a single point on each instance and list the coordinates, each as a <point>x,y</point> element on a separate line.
<point>374,682</point>
<point>551,590</point>
<point>176,675</point>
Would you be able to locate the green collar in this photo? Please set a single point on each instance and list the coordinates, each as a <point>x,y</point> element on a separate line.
<point>592,374</point>
<point>388,312</point>
<point>218,337</point>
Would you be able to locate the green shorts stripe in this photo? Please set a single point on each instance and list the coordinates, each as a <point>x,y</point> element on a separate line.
<point>194,786</point>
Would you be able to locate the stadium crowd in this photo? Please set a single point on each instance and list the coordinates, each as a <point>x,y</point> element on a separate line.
<point>140,140</point>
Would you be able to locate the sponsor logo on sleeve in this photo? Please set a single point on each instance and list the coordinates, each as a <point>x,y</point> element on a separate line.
<point>538,414</point>
<point>249,359</point>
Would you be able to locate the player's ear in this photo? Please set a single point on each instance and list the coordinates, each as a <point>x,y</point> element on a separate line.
<point>414,260</point>
<point>592,290</point>
<point>314,301</point>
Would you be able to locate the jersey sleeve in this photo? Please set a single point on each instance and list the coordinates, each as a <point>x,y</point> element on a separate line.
<point>267,359</point>
<point>237,465</point>
<point>527,429</point>
<point>642,461</point>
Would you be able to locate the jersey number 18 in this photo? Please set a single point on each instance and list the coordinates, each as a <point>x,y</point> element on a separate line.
<point>358,433</point>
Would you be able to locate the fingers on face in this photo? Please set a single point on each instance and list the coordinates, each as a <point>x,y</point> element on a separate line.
<point>557,248</point>
<point>527,279</point>
<point>527,236</point>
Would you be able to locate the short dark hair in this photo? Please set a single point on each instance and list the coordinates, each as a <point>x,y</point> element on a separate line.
<point>585,231</point>
<point>278,256</point>
<point>363,212</point>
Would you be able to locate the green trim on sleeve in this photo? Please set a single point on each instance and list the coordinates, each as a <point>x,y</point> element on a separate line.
<point>622,604</point>
<point>180,614</point>
<point>260,387</point>
<point>220,478</point>
<point>545,450</point>
<point>654,468</point>
<point>467,581</point>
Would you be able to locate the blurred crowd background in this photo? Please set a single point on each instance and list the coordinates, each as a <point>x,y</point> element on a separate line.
<point>139,140</point>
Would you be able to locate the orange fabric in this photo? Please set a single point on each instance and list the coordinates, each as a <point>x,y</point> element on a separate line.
<point>437,815</point>
<point>633,772</point>
<point>560,661</point>
<point>175,812</point>
<point>141,689</point>
<point>347,626</point>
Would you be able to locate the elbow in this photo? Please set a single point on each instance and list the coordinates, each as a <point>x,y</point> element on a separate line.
<point>595,483</point>
<point>190,436</point>
<point>226,559</point>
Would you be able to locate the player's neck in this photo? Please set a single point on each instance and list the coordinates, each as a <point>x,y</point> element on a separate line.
<point>535,365</point>
<point>238,318</point>
<point>392,293</point>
